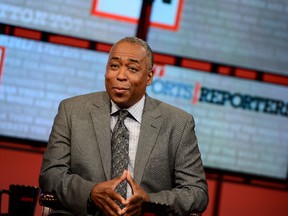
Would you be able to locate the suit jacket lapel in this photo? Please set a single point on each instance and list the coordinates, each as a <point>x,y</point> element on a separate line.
<point>150,127</point>
<point>101,121</point>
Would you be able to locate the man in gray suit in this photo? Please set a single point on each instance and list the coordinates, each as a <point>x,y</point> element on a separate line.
<point>165,165</point>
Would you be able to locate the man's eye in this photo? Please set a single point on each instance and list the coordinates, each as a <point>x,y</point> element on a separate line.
<point>133,69</point>
<point>114,66</point>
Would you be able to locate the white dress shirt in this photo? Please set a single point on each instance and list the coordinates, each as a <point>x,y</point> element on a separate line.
<point>133,126</point>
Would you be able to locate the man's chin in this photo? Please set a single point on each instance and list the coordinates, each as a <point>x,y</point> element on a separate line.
<point>121,102</point>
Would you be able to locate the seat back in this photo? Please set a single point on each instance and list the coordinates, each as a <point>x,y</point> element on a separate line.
<point>157,209</point>
<point>22,199</point>
<point>48,201</point>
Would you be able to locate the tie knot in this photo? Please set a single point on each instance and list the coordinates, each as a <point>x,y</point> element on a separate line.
<point>122,115</point>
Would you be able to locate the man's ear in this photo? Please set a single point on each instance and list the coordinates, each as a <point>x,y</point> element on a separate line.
<point>150,77</point>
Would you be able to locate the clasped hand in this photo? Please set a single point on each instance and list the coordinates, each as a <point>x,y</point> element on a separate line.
<point>103,195</point>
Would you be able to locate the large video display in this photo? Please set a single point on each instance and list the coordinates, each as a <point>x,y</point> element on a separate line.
<point>251,34</point>
<point>73,18</point>
<point>241,125</point>
<point>36,76</point>
<point>244,33</point>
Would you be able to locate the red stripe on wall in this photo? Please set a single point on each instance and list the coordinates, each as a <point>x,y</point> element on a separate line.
<point>164,59</point>
<point>272,78</point>
<point>103,47</point>
<point>199,65</point>
<point>7,30</point>
<point>27,33</point>
<point>224,70</point>
<point>247,74</point>
<point>69,41</point>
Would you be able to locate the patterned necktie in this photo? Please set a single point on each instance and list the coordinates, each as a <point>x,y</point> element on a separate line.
<point>120,151</point>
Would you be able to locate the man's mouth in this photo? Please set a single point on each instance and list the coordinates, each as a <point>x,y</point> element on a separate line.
<point>119,90</point>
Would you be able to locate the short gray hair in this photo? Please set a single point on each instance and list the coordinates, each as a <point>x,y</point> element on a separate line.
<point>144,44</point>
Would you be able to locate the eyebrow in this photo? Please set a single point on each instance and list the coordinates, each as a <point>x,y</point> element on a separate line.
<point>132,60</point>
<point>135,61</point>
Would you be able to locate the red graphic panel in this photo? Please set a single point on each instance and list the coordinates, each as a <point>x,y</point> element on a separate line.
<point>165,14</point>
<point>2,57</point>
<point>159,70</point>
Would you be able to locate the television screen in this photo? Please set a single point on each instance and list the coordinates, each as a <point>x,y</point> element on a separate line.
<point>241,125</point>
<point>251,34</point>
<point>77,18</point>
<point>36,76</point>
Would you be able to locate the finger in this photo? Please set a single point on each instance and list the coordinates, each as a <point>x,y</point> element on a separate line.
<point>134,199</point>
<point>131,181</point>
<point>107,205</point>
<point>119,179</point>
<point>136,189</point>
<point>114,195</point>
<point>104,196</point>
<point>128,175</point>
<point>134,208</point>
<point>124,174</point>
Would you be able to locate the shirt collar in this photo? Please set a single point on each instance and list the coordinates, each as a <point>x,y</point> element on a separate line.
<point>136,110</point>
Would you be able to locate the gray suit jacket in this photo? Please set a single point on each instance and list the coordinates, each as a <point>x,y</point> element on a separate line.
<point>168,164</point>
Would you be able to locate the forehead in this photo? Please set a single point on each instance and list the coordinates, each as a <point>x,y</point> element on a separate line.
<point>124,50</point>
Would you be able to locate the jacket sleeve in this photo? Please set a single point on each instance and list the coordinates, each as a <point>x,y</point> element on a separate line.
<point>71,189</point>
<point>189,190</point>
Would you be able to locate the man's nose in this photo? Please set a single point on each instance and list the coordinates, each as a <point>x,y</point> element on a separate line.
<point>122,73</point>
